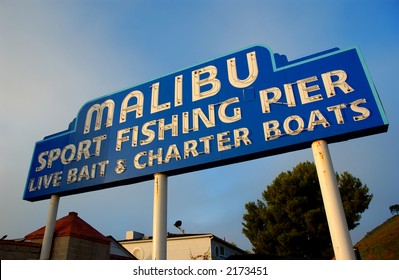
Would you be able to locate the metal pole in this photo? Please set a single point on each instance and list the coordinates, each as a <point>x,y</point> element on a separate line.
<point>49,230</point>
<point>341,240</point>
<point>160,217</point>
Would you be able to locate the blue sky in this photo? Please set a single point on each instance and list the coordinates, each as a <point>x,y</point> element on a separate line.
<point>57,55</point>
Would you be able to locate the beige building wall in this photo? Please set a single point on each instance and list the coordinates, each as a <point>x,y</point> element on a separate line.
<point>198,247</point>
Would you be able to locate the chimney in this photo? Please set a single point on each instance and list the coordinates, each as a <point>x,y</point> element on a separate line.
<point>131,235</point>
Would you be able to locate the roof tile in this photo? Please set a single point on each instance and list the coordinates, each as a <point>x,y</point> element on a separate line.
<point>71,225</point>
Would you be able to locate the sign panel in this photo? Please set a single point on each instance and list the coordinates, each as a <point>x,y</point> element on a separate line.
<point>242,106</point>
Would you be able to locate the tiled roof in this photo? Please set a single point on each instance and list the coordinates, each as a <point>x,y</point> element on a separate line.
<point>71,225</point>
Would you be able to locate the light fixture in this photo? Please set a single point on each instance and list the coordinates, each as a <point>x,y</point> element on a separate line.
<point>178,224</point>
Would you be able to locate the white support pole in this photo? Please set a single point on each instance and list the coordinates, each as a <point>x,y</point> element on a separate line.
<point>49,230</point>
<point>341,240</point>
<point>160,217</point>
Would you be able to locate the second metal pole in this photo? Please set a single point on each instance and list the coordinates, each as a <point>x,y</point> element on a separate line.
<point>342,244</point>
<point>159,230</point>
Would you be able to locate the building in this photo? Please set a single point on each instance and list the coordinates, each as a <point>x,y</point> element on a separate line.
<point>74,239</point>
<point>118,252</point>
<point>182,247</point>
<point>19,250</point>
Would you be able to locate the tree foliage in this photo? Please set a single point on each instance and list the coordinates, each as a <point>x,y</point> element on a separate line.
<point>290,221</point>
<point>394,209</point>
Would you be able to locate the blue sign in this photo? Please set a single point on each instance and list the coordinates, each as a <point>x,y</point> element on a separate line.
<point>242,106</point>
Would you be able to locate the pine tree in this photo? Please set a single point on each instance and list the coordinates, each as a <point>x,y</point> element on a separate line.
<point>289,221</point>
